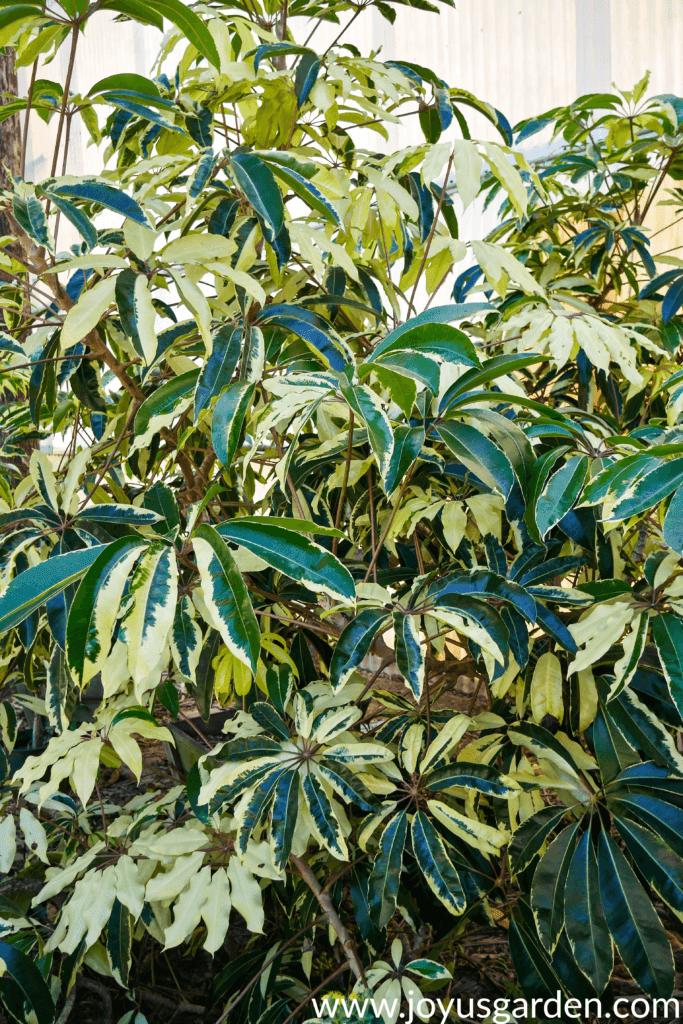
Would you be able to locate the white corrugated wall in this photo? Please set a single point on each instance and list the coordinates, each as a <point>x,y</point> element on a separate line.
<point>523,56</point>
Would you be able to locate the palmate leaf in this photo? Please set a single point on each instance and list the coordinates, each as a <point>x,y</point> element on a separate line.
<point>637,931</point>
<point>94,190</point>
<point>667,633</point>
<point>95,607</point>
<point>324,818</point>
<point>480,455</point>
<point>410,655</point>
<point>228,418</point>
<point>27,986</point>
<point>226,596</point>
<point>31,589</point>
<point>548,890</point>
<point>384,880</point>
<point>293,554</point>
<point>585,915</point>
<point>481,778</point>
<point>154,590</point>
<point>355,643</point>
<point>283,817</point>
<point>656,861</point>
<point>257,806</point>
<point>436,865</point>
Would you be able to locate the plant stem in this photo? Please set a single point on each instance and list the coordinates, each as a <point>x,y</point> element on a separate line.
<point>345,482</point>
<point>373,526</point>
<point>65,98</point>
<point>411,304</point>
<point>332,916</point>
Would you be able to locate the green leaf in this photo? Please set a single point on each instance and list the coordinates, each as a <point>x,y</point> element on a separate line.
<point>346,784</point>
<point>656,861</point>
<point>128,81</point>
<point>190,24</point>
<point>636,929</point>
<point>134,301</point>
<point>354,644</point>
<point>480,455</point>
<point>436,339</point>
<point>548,889</point>
<point>256,807</point>
<point>85,228</point>
<point>326,824</point>
<point>314,330</point>
<point>480,778</point>
<point>560,494</point>
<point>165,405</point>
<point>673,522</point>
<point>135,9</point>
<point>498,366</point>
<point>384,880</point>
<point>119,942</point>
<point>667,633</point>
<point>275,50</point>
<point>31,987</point>
<point>649,490</point>
<point>256,180</point>
<point>292,554</point>
<point>92,190</point>
<point>228,417</point>
<point>366,405</point>
<point>283,817</point>
<point>218,369</point>
<point>31,589</point>
<point>408,442</point>
<point>146,626</point>
<point>436,865</point>
<point>206,673</point>
<point>186,639</point>
<point>95,608</point>
<point>307,191</point>
<point>410,655</point>
<point>483,583</point>
<point>529,837</point>
<point>126,515</point>
<point>585,917</point>
<point>226,596</point>
<point>269,719</point>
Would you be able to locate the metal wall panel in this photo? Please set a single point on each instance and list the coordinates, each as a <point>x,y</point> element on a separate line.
<point>523,56</point>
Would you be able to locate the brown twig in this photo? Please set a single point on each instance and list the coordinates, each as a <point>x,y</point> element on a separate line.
<point>345,482</point>
<point>332,916</point>
<point>411,304</point>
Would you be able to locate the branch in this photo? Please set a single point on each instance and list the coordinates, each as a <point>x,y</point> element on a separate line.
<point>332,916</point>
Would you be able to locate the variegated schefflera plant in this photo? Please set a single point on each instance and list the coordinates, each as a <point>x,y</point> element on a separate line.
<point>294,488</point>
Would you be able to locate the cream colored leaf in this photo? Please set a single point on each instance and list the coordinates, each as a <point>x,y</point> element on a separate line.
<point>8,843</point>
<point>82,317</point>
<point>467,166</point>
<point>34,834</point>
<point>216,910</point>
<point>246,895</point>
<point>546,688</point>
<point>187,910</point>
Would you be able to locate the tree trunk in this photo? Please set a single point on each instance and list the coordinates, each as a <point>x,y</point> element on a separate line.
<point>10,130</point>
